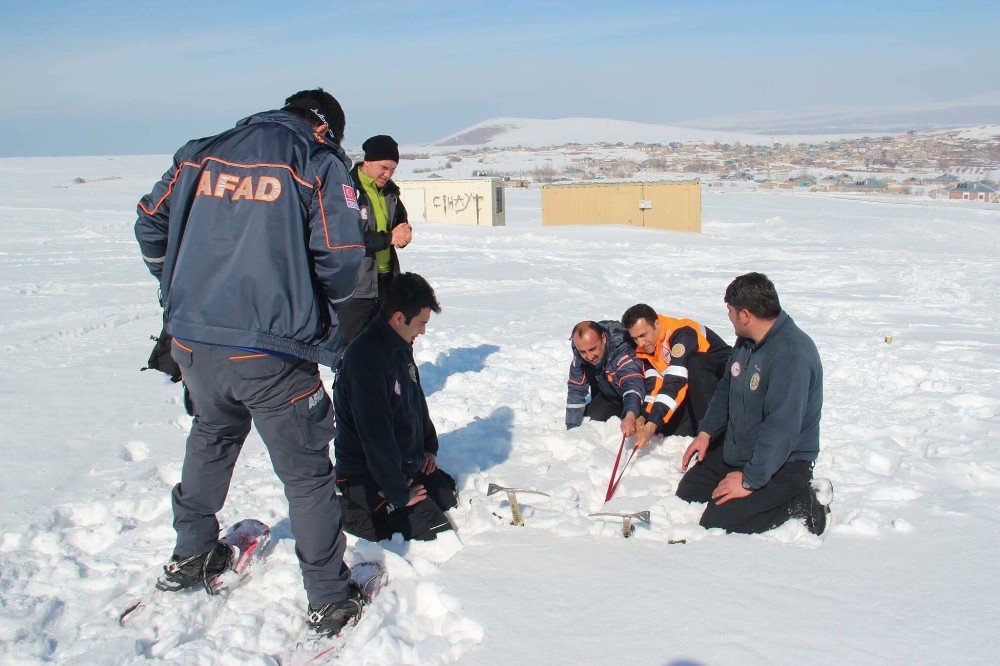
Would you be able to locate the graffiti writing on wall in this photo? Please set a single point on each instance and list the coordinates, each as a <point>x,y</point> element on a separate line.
<point>456,203</point>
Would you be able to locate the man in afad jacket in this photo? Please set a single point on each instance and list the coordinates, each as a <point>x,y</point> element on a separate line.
<point>386,447</point>
<point>682,362</point>
<point>386,228</point>
<point>254,236</point>
<point>766,413</point>
<point>605,379</point>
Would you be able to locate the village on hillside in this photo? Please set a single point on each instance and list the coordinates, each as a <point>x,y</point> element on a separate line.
<point>954,164</point>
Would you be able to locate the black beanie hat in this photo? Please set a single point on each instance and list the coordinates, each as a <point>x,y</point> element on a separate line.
<point>381,147</point>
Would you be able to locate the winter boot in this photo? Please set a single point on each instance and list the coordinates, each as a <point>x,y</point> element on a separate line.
<point>329,619</point>
<point>818,511</point>
<point>180,573</point>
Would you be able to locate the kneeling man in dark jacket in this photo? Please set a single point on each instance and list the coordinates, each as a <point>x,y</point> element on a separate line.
<point>386,446</point>
<point>760,437</point>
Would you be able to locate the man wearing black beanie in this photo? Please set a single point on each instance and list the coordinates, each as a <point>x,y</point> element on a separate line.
<point>386,228</point>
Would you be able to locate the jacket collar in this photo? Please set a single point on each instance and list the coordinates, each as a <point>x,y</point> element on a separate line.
<point>779,323</point>
<point>297,125</point>
<point>381,324</point>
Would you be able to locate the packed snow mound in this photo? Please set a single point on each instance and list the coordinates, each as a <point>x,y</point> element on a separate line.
<point>535,133</point>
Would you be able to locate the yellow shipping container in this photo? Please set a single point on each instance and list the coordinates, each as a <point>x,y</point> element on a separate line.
<point>660,205</point>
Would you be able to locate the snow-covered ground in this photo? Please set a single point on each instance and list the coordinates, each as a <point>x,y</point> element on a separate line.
<point>906,574</point>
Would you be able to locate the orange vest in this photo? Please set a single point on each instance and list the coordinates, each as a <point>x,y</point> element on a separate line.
<point>660,358</point>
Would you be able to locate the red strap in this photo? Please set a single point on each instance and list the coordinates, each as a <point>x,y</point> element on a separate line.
<point>612,482</point>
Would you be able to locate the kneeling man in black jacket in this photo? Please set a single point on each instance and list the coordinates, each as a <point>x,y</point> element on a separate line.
<point>386,446</point>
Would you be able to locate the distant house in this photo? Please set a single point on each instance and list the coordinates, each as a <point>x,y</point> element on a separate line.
<point>945,179</point>
<point>974,192</point>
<point>870,185</point>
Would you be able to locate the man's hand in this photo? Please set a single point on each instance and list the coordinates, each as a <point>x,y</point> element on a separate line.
<point>731,487</point>
<point>417,495</point>
<point>643,434</point>
<point>402,234</point>
<point>696,448</point>
<point>628,425</point>
<point>430,463</point>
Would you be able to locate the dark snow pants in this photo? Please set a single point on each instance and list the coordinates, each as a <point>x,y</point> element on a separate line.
<point>366,514</point>
<point>286,400</point>
<point>704,372</point>
<point>786,495</point>
<point>600,407</point>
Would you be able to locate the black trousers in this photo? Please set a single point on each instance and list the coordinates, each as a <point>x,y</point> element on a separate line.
<point>704,372</point>
<point>364,512</point>
<point>355,314</point>
<point>786,495</point>
<point>600,407</point>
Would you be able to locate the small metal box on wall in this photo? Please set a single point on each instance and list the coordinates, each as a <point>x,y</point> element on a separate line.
<point>660,205</point>
<point>473,201</point>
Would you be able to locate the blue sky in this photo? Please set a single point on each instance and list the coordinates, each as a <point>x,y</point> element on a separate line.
<point>143,77</point>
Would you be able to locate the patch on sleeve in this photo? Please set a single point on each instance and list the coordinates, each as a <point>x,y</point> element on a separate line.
<point>350,197</point>
<point>397,389</point>
<point>677,350</point>
<point>735,370</point>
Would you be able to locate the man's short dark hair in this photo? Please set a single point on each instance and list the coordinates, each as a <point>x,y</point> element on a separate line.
<point>408,293</point>
<point>585,326</point>
<point>637,312</point>
<point>317,107</point>
<point>756,293</point>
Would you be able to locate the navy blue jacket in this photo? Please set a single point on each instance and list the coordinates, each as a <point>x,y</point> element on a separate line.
<point>253,235</point>
<point>769,402</point>
<point>383,426</point>
<point>619,376</point>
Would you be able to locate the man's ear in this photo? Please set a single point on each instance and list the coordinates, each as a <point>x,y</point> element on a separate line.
<point>397,318</point>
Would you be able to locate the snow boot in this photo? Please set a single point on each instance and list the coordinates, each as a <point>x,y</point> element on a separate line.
<point>329,619</point>
<point>180,573</point>
<point>818,510</point>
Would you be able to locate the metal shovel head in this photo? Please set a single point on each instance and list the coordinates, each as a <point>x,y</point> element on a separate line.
<point>642,516</point>
<point>494,488</point>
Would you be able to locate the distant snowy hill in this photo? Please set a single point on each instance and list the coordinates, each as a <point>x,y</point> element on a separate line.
<point>983,109</point>
<point>982,132</point>
<point>536,133</point>
<point>980,116</point>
